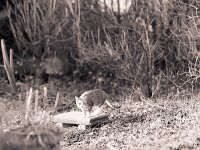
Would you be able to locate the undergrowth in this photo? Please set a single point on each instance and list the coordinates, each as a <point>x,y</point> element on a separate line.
<point>148,43</point>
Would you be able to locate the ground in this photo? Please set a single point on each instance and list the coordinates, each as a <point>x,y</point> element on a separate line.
<point>168,122</point>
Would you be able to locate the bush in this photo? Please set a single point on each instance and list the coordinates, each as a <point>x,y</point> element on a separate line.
<point>150,39</point>
<point>114,49</point>
<point>42,28</point>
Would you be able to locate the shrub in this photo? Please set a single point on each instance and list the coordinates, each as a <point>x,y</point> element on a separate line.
<point>152,38</point>
<point>41,28</point>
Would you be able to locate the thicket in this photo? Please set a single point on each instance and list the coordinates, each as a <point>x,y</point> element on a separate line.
<point>154,44</point>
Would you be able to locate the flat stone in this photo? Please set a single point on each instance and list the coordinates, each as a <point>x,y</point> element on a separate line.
<point>78,119</point>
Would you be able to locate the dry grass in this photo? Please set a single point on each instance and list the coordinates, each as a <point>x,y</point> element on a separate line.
<point>138,125</point>
<point>167,122</point>
<point>154,47</point>
<point>111,48</point>
<point>27,125</point>
<point>40,27</point>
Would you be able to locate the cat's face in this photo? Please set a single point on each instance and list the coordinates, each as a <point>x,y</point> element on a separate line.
<point>79,102</point>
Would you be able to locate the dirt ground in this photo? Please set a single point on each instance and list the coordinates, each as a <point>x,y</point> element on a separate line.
<point>169,122</point>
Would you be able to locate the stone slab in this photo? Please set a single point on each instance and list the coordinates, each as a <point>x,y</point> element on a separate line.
<point>78,119</point>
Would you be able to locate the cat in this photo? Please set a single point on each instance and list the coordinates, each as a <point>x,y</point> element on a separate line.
<point>93,99</point>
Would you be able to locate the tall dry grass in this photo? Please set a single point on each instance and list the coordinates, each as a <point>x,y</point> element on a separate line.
<point>41,27</point>
<point>153,45</point>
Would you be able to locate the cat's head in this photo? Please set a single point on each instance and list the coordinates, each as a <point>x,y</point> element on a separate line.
<point>79,102</point>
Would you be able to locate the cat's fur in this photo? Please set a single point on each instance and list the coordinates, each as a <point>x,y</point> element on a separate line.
<point>92,99</point>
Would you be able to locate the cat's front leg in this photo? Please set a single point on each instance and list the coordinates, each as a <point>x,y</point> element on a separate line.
<point>86,114</point>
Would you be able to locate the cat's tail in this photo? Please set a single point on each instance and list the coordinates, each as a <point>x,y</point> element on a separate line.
<point>112,106</point>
